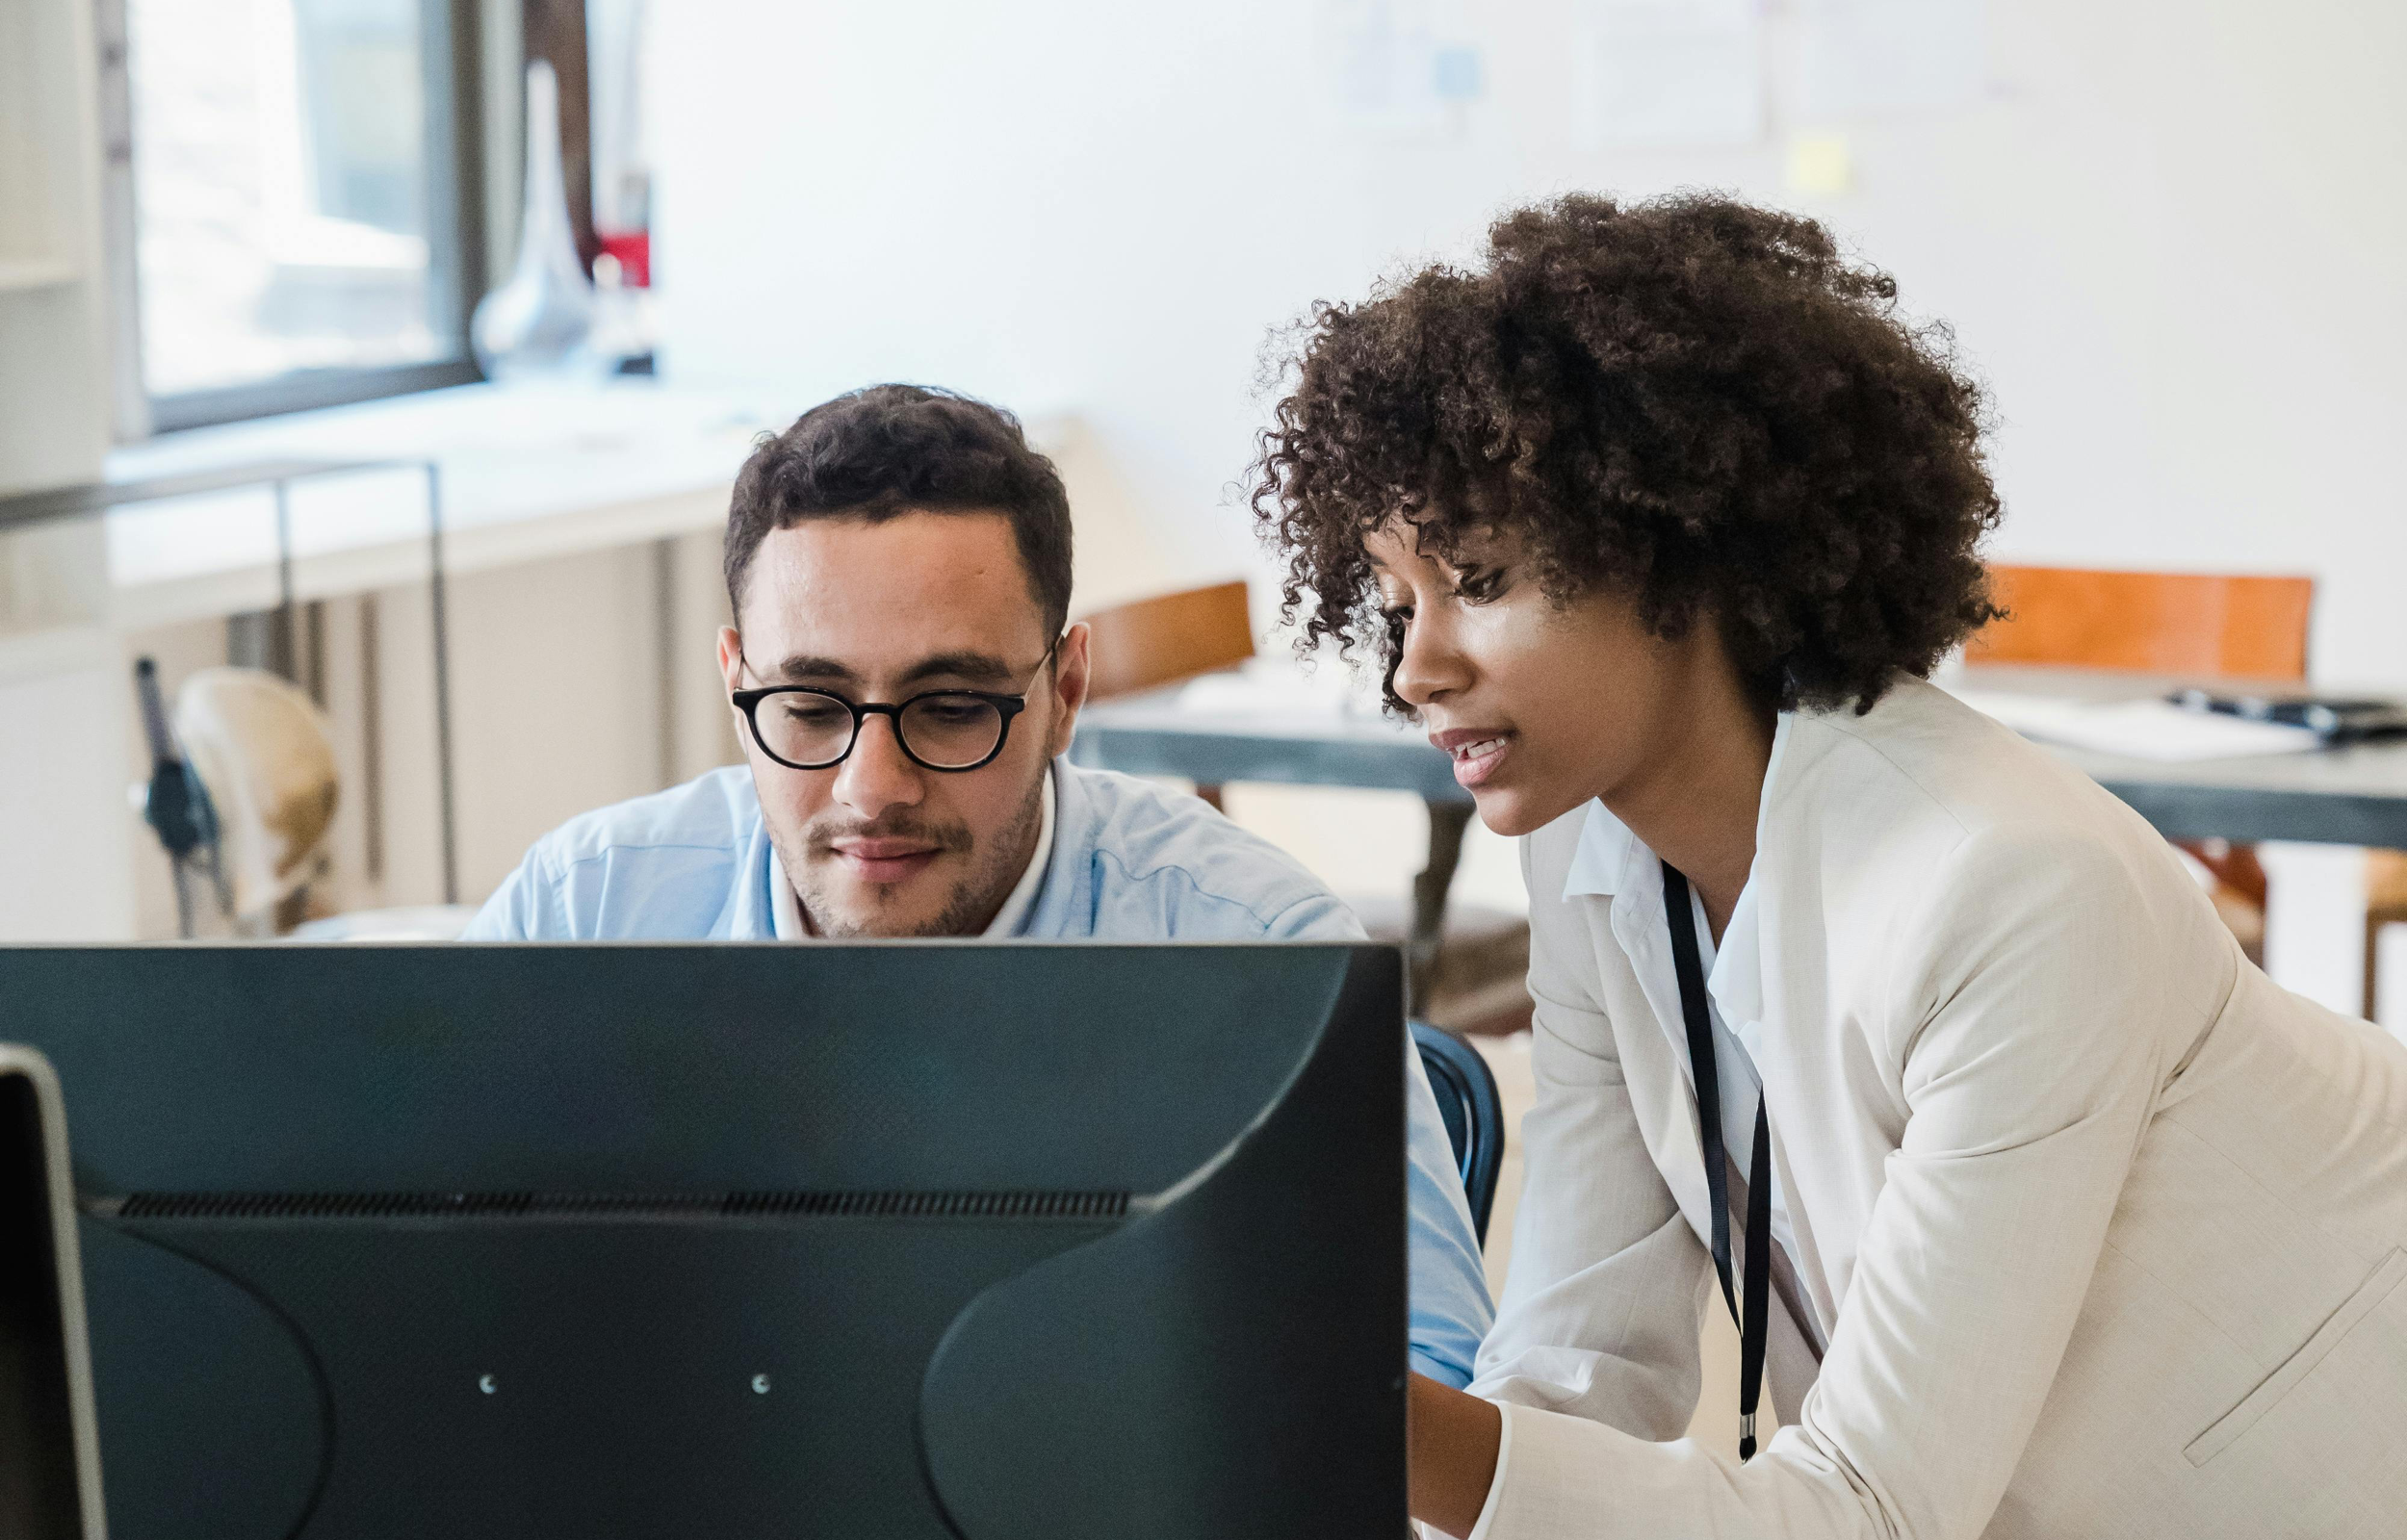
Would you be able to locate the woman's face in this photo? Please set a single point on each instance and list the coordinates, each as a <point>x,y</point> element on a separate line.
<point>1543,705</point>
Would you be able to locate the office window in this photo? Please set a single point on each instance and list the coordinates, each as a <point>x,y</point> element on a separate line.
<point>303,227</point>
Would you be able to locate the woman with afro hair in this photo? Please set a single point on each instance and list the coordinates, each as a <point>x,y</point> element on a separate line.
<point>2043,1213</point>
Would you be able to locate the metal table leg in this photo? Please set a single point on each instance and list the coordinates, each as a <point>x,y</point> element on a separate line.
<point>1447,823</point>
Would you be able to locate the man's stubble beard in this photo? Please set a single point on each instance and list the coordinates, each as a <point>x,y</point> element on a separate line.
<point>969,907</point>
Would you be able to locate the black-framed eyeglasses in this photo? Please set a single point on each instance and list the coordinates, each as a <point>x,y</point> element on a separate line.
<point>804,728</point>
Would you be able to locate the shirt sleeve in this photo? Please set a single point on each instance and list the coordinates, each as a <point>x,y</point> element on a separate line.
<point>2019,1015</point>
<point>520,908</point>
<point>1450,1308</point>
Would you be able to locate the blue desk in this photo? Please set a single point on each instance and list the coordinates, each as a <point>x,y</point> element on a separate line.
<point>2355,795</point>
<point>1157,735</point>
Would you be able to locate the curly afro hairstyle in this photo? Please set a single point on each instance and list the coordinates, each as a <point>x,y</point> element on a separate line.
<point>1694,401</point>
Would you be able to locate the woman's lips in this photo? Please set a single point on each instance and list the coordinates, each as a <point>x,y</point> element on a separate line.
<point>1476,755</point>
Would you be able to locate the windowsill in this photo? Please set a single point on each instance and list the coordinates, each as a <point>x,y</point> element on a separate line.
<point>527,471</point>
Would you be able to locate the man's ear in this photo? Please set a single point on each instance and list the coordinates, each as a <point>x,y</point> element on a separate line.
<point>732,670</point>
<point>1072,669</point>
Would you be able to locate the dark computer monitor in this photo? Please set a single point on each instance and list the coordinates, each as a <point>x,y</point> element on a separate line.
<point>895,1240</point>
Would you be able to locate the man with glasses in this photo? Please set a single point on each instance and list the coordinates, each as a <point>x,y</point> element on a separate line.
<point>904,679</point>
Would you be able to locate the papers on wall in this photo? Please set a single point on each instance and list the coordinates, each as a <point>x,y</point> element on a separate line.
<point>1820,165</point>
<point>2137,730</point>
<point>1861,57</point>
<point>1407,65</point>
<point>1673,72</point>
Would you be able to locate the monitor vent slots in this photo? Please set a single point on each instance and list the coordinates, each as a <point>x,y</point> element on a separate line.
<point>871,1205</point>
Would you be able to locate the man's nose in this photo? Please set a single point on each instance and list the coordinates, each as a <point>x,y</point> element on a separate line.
<point>877,775</point>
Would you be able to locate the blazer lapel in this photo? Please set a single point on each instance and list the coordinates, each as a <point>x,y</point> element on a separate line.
<point>1653,1060</point>
<point>1616,882</point>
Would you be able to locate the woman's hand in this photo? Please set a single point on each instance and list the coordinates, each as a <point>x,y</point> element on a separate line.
<point>1451,1440</point>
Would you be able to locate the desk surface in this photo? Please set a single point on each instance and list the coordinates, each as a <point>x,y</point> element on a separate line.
<point>2348,796</point>
<point>2355,795</point>
<point>1157,734</point>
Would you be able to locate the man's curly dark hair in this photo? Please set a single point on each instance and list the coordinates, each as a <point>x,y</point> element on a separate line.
<point>1691,401</point>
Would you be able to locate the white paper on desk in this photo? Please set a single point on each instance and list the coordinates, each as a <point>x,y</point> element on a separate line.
<point>1264,688</point>
<point>2138,729</point>
<point>1670,72</point>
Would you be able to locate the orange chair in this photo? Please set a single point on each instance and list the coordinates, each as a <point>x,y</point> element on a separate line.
<point>1154,642</point>
<point>2193,623</point>
<point>1148,643</point>
<point>1471,975</point>
<point>2198,626</point>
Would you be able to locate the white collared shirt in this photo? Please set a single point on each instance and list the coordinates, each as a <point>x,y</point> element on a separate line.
<point>1610,857</point>
<point>1734,1062</point>
<point>786,909</point>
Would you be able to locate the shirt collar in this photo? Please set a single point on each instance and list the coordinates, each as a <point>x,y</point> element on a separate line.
<point>1014,913</point>
<point>1610,862</point>
<point>1606,845</point>
<point>1601,861</point>
<point>786,909</point>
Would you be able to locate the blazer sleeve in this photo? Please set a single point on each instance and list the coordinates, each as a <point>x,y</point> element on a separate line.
<point>2018,1010</point>
<point>1602,1302</point>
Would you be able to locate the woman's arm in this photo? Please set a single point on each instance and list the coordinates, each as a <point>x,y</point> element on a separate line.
<point>1600,1315</point>
<point>1601,1308</point>
<point>1453,1439</point>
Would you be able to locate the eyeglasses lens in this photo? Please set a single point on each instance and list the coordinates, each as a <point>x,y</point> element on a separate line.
<point>802,729</point>
<point>951,731</point>
<point>948,731</point>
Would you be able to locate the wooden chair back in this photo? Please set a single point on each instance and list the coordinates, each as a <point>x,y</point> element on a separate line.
<point>2149,622</point>
<point>1152,642</point>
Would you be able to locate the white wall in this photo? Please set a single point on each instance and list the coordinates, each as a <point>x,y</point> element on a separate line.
<point>54,403</point>
<point>2168,235</point>
<point>65,827</point>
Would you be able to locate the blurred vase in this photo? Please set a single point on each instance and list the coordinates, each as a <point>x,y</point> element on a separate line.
<point>537,324</point>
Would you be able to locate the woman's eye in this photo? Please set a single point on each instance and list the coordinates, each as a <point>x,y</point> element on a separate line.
<point>1479,584</point>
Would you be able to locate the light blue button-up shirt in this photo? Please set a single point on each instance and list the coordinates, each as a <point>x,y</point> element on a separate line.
<point>1128,861</point>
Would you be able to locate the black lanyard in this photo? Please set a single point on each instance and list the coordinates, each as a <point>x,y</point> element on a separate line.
<point>1704,1067</point>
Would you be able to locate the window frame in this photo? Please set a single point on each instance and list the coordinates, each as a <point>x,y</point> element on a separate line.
<point>452,78</point>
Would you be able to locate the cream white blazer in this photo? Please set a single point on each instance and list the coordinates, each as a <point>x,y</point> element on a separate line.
<point>2106,1229</point>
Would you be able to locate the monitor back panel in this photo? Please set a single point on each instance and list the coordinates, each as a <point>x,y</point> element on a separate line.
<point>635,1241</point>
